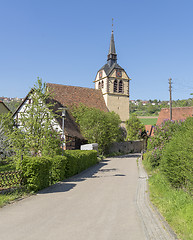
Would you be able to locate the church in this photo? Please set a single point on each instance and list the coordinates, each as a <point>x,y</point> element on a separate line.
<point>111,93</point>
<point>113,81</point>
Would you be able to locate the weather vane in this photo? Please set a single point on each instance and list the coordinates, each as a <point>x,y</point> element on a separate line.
<point>112,24</point>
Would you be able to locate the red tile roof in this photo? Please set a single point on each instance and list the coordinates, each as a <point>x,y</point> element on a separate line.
<point>178,113</point>
<point>71,95</point>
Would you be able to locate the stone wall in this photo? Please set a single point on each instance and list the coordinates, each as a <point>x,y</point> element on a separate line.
<point>127,147</point>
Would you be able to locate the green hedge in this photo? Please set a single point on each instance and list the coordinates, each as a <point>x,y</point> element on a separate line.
<point>40,172</point>
<point>79,160</point>
<point>58,170</point>
<point>36,172</point>
<point>177,160</point>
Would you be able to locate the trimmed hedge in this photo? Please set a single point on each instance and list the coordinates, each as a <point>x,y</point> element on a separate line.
<point>41,172</point>
<point>58,170</point>
<point>79,160</point>
<point>36,172</point>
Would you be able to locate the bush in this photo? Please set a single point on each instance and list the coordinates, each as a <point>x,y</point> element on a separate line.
<point>79,160</point>
<point>36,172</point>
<point>58,170</point>
<point>177,160</point>
<point>152,159</point>
<point>40,172</point>
<point>134,128</point>
<point>162,135</point>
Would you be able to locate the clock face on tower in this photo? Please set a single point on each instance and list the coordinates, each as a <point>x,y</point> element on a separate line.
<point>100,74</point>
<point>118,73</point>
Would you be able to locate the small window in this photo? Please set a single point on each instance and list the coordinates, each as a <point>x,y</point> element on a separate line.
<point>115,85</point>
<point>99,85</point>
<point>102,84</point>
<point>119,73</point>
<point>120,86</point>
<point>100,74</point>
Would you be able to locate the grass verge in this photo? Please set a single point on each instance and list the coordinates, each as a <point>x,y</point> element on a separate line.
<point>174,204</point>
<point>9,197</point>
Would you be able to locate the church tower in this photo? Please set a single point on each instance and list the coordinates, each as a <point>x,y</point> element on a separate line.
<point>113,81</point>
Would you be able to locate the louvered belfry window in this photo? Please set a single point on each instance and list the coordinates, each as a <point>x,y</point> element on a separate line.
<point>120,86</point>
<point>115,85</point>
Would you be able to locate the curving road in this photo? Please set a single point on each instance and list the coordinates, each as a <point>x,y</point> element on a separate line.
<point>99,203</point>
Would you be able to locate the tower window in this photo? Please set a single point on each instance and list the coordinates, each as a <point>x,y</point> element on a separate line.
<point>100,74</point>
<point>102,84</point>
<point>120,86</point>
<point>99,85</point>
<point>115,85</point>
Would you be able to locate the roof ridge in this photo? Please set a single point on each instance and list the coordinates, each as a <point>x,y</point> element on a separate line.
<point>70,86</point>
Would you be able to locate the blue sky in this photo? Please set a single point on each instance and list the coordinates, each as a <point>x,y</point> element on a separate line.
<point>67,42</point>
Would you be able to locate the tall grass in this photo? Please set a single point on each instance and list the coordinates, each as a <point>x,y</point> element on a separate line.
<point>174,204</point>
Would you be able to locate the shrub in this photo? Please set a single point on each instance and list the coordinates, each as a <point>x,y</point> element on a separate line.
<point>177,160</point>
<point>152,158</point>
<point>134,128</point>
<point>36,172</point>
<point>40,172</point>
<point>162,135</point>
<point>79,160</point>
<point>58,170</point>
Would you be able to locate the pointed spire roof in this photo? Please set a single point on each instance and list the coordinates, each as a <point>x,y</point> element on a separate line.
<point>112,44</point>
<point>112,56</point>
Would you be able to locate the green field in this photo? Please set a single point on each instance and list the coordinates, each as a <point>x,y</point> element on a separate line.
<point>148,121</point>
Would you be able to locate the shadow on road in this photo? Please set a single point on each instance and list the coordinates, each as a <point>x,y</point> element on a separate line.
<point>58,187</point>
<point>70,183</point>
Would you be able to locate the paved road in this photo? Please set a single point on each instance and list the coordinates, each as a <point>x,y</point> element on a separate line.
<point>98,204</point>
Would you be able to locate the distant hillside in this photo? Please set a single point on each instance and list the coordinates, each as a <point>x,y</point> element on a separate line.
<point>153,107</point>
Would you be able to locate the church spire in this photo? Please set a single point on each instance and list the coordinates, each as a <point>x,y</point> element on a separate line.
<point>112,56</point>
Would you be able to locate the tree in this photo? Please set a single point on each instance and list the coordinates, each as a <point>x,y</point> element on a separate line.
<point>98,126</point>
<point>151,109</point>
<point>132,107</point>
<point>34,133</point>
<point>6,123</point>
<point>134,128</point>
